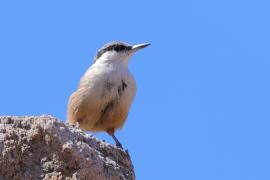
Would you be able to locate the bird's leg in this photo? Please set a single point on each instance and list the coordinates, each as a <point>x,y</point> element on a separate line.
<point>118,144</point>
<point>111,133</point>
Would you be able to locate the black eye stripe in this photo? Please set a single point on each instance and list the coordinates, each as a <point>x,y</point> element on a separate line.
<point>118,48</point>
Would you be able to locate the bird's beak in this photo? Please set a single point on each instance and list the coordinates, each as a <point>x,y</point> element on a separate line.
<point>139,46</point>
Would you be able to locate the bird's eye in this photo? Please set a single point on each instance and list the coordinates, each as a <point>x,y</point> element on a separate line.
<point>119,48</point>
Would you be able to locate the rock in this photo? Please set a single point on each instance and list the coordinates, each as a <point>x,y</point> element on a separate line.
<point>46,148</point>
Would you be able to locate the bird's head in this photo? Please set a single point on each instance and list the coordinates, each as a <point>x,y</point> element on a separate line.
<point>117,52</point>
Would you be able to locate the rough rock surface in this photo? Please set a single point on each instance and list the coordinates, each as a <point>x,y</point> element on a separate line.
<point>46,148</point>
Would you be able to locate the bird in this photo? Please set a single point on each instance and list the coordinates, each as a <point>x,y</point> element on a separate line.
<point>105,91</point>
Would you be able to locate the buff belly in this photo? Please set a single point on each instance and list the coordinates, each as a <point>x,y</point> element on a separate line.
<point>104,109</point>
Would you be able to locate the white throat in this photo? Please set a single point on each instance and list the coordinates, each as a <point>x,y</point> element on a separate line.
<point>115,58</point>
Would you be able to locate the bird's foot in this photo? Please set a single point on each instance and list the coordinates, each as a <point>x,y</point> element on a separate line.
<point>119,145</point>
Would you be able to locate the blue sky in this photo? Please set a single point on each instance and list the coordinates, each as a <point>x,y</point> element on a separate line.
<point>202,105</point>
